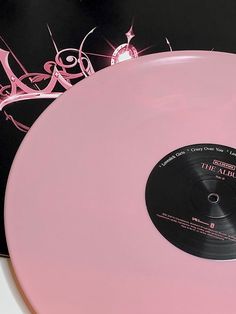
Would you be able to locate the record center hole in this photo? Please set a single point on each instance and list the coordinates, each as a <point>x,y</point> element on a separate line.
<point>213,198</point>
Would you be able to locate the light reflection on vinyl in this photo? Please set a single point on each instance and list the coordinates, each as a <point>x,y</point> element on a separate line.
<point>77,221</point>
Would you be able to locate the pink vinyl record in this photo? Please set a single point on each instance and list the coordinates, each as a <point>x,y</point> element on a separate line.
<point>121,196</point>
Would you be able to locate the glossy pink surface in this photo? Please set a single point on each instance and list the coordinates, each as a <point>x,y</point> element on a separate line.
<point>78,231</point>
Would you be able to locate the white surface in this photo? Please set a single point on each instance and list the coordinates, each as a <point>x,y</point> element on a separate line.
<point>11,300</point>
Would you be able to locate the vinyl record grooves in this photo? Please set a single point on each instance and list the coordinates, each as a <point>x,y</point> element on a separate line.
<point>121,198</point>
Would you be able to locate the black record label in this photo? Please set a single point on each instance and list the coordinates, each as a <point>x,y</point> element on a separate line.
<point>191,199</point>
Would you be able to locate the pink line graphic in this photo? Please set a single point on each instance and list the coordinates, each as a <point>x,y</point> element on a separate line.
<point>32,85</point>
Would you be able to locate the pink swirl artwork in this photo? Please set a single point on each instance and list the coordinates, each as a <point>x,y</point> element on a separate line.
<point>69,66</point>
